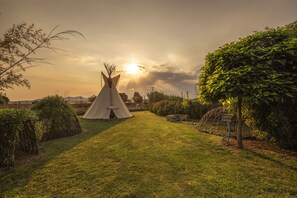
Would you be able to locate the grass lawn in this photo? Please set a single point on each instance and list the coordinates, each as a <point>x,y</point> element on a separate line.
<point>147,156</point>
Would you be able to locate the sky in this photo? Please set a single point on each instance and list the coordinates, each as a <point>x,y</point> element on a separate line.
<point>169,39</point>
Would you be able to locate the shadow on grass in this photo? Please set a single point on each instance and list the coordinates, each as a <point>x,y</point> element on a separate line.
<point>19,175</point>
<point>265,157</point>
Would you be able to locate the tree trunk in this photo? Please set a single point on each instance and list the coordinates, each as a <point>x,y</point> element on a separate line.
<point>239,122</point>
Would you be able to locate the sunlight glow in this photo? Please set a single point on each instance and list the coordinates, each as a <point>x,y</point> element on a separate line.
<point>132,68</point>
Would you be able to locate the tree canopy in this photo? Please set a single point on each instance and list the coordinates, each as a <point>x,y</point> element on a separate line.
<point>124,97</point>
<point>258,68</point>
<point>91,98</point>
<point>137,98</point>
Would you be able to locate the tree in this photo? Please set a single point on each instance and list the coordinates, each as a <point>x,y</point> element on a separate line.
<point>124,97</point>
<point>137,98</point>
<point>92,98</point>
<point>155,96</point>
<point>3,99</point>
<point>260,68</point>
<point>18,49</point>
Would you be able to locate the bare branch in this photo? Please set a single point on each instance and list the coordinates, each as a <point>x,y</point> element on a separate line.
<point>111,69</point>
<point>17,46</point>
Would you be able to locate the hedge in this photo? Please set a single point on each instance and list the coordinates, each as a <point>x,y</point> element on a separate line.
<point>18,132</point>
<point>57,117</point>
<point>191,107</point>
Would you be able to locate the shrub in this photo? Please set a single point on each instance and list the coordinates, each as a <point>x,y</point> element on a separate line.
<point>3,99</point>
<point>176,105</point>
<point>30,131</point>
<point>80,111</point>
<point>196,109</point>
<point>17,133</point>
<point>166,107</point>
<point>279,121</point>
<point>81,105</point>
<point>276,123</point>
<point>58,117</point>
<point>9,124</point>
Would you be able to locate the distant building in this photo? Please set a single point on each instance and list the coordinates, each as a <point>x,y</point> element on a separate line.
<point>23,102</point>
<point>77,99</point>
<point>71,100</point>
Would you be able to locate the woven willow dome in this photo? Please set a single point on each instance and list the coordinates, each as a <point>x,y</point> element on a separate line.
<point>213,121</point>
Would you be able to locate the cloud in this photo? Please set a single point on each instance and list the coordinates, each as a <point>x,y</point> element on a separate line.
<point>166,79</point>
<point>84,59</point>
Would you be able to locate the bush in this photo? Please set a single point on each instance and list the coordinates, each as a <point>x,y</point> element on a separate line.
<point>3,99</point>
<point>196,109</point>
<point>30,132</point>
<point>166,107</point>
<point>9,124</point>
<point>58,118</point>
<point>80,111</point>
<point>80,108</point>
<point>279,121</point>
<point>18,132</point>
<point>81,105</point>
<point>176,105</point>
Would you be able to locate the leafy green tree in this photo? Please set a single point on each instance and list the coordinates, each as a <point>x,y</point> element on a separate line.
<point>124,97</point>
<point>155,96</point>
<point>18,48</point>
<point>137,98</point>
<point>260,68</point>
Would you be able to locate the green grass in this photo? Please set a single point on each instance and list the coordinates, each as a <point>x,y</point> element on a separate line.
<point>146,156</point>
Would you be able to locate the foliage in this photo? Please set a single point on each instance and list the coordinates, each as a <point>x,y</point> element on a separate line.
<point>155,96</point>
<point>166,107</point>
<point>137,98</point>
<point>9,124</point>
<point>57,116</point>
<point>92,98</point>
<point>149,157</point>
<point>30,131</point>
<point>258,69</point>
<point>176,105</point>
<point>19,131</point>
<point>124,97</point>
<point>80,108</point>
<point>279,121</point>
<point>3,99</point>
<point>275,123</point>
<point>80,105</point>
<point>196,109</point>
<point>18,48</point>
<point>168,104</point>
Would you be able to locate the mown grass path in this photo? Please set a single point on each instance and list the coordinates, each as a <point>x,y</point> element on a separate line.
<point>147,156</point>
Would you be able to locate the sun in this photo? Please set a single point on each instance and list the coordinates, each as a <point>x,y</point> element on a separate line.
<point>132,68</point>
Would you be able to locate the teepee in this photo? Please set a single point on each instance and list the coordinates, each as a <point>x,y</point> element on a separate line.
<point>108,104</point>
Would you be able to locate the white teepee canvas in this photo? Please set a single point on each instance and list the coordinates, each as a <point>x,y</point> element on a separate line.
<point>108,101</point>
